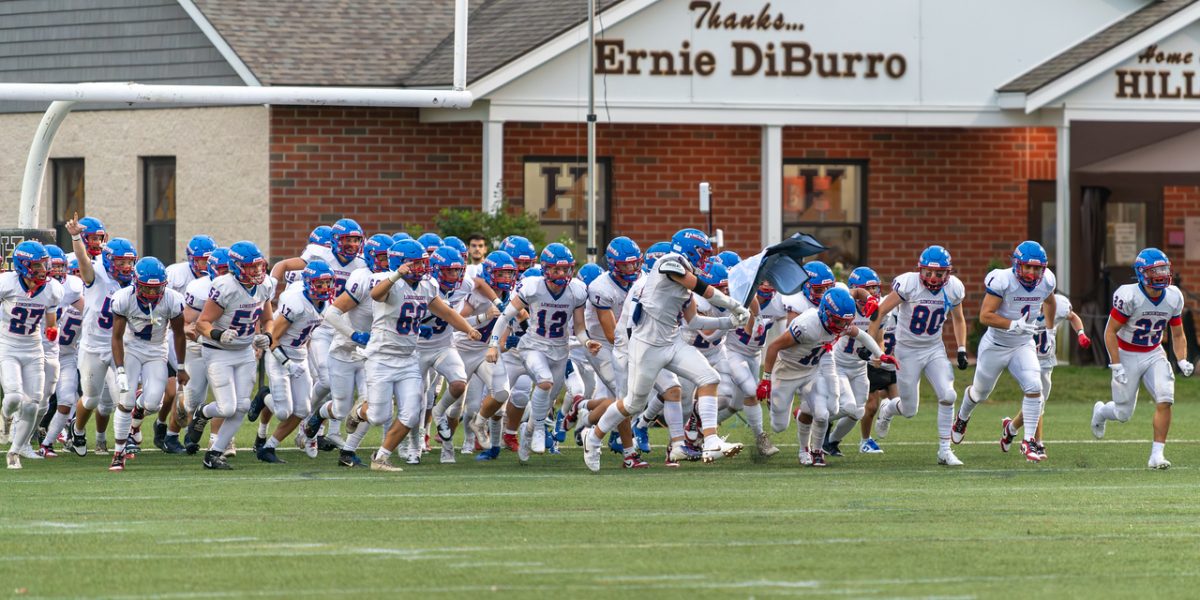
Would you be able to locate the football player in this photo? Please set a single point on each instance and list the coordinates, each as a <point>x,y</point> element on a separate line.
<point>63,380</point>
<point>1133,337</point>
<point>435,345</point>
<point>196,390</point>
<point>142,314</point>
<point>179,275</point>
<point>1015,299</point>
<point>743,350</point>
<point>851,370</point>
<point>488,380</point>
<point>28,296</point>
<point>928,298</point>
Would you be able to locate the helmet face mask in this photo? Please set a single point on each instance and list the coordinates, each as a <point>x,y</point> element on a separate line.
<point>321,288</point>
<point>94,243</point>
<point>1157,276</point>
<point>1030,274</point>
<point>150,293</point>
<point>253,272</point>
<point>122,268</point>
<point>58,269</point>
<point>349,245</point>
<point>934,278</point>
<point>37,271</point>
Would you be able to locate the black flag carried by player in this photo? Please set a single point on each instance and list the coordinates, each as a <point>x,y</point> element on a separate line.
<point>781,264</point>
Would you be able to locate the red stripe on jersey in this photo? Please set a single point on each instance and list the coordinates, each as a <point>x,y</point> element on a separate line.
<point>1128,347</point>
<point>1118,316</point>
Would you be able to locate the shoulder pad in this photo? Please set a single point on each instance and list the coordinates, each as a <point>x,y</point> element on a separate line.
<point>672,265</point>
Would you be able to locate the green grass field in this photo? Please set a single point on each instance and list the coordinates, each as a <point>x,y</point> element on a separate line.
<point>1091,521</point>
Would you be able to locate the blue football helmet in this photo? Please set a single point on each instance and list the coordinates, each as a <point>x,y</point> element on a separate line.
<point>865,278</point>
<point>321,236</point>
<point>694,245</point>
<point>716,275</point>
<point>400,235</point>
<point>521,250</point>
<point>150,279</point>
<point>729,258</point>
<point>624,259</point>
<point>31,261</point>
<point>246,263</point>
<point>934,268</point>
<point>118,258</point>
<point>411,253</point>
<point>534,271</point>
<point>72,264</point>
<point>431,241</point>
<point>453,241</point>
<point>94,235</point>
<point>837,310</point>
<point>347,238</point>
<point>1153,269</point>
<point>589,272</point>
<point>1029,254</point>
<point>318,281</point>
<point>375,250</point>
<point>447,266</point>
<point>499,271</point>
<point>558,263</point>
<point>198,249</point>
<point>820,280</point>
<point>655,252</point>
<point>58,262</point>
<point>218,263</point>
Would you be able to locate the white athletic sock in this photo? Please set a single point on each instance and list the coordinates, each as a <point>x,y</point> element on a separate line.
<point>673,413</point>
<point>23,424</point>
<point>653,408</point>
<point>326,410</point>
<point>707,407</point>
<point>494,429</point>
<point>968,404</point>
<point>754,418</point>
<point>57,422</point>
<point>802,433</point>
<point>539,403</point>
<point>817,435</point>
<point>1156,448</point>
<point>122,422</point>
<point>610,420</point>
<point>262,429</point>
<point>841,428</point>
<point>382,454</point>
<point>271,443</point>
<point>229,429</point>
<point>332,427</point>
<point>443,404</point>
<point>1032,410</point>
<point>354,440</point>
<point>945,420</point>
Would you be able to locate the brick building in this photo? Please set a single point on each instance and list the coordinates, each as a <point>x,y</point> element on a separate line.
<point>879,126</point>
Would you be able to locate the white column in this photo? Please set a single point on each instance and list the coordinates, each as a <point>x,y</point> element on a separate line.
<point>1062,208</point>
<point>772,184</point>
<point>493,165</point>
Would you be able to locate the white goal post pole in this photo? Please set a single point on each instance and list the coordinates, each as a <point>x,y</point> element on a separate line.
<point>221,95</point>
<point>35,166</point>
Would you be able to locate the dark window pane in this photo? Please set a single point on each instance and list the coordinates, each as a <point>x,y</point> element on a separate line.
<point>556,193</point>
<point>828,200</point>
<point>158,192</point>
<point>68,195</point>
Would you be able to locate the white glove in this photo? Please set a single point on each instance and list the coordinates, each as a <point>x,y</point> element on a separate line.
<point>1118,375</point>
<point>295,369</point>
<point>261,341</point>
<point>123,380</point>
<point>740,316</point>
<point>1022,326</point>
<point>1185,367</point>
<point>229,336</point>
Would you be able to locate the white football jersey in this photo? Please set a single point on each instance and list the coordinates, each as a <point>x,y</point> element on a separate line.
<point>358,287</point>
<point>479,305</point>
<point>439,333</point>
<point>551,316</point>
<point>799,302</point>
<point>397,319</point>
<point>21,315</point>
<point>302,316</point>
<point>923,313</point>
<point>146,326</point>
<point>604,293</point>
<point>97,310</point>
<point>1017,302</point>
<point>624,321</point>
<point>889,337</point>
<point>845,351</point>
<point>1143,319</point>
<point>1045,339</point>
<point>749,339</point>
<point>242,309</point>
<point>812,342</point>
<point>180,274</point>
<point>341,269</point>
<point>656,314</point>
<point>711,349</point>
<point>70,319</point>
<point>196,293</point>
<point>72,292</point>
<point>473,271</point>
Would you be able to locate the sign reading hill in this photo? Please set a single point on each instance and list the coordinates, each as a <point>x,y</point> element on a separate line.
<point>781,57</point>
<point>1155,77</point>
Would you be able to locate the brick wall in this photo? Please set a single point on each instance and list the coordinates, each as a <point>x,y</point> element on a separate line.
<point>381,167</point>
<point>1180,202</point>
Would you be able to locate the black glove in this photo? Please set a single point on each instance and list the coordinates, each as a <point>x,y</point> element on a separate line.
<point>864,354</point>
<point>962,360</point>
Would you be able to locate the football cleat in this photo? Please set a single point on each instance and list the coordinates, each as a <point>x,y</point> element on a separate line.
<point>30,453</point>
<point>260,441</point>
<point>14,460</point>
<point>214,461</point>
<point>383,464</point>
<point>641,439</point>
<point>413,457</point>
<point>268,455</point>
<point>195,430</point>
<point>477,426</point>
<point>47,451</point>
<point>579,436</point>
<point>869,446</point>
<point>171,445</point>
<point>805,458</point>
<point>1007,434</point>
<point>490,454</point>
<point>444,432</point>
<point>537,439</point>
<point>1098,420</point>
<point>571,414</point>
<point>946,457</point>
<point>118,462</point>
<point>258,403</point>
<point>1156,462</point>
<point>591,450</point>
<point>551,441</point>
<point>634,461</point>
<point>818,458</point>
<point>78,443</point>
<point>101,445</point>
<point>132,448</point>
<point>329,443</point>
<point>958,431</point>
<point>1041,450</point>
<point>348,458</point>
<point>882,424</point>
<point>614,443</point>
<point>832,448</point>
<point>353,420</point>
<point>447,453</point>
<point>310,448</point>
<point>764,445</point>
<point>524,444</point>
<point>312,424</point>
<point>560,434</point>
<point>160,436</point>
<point>720,449</point>
<point>1029,449</point>
<point>230,450</point>
<point>511,442</point>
